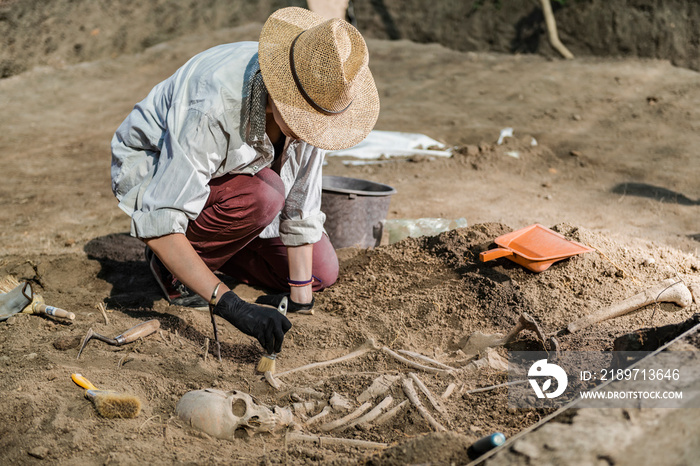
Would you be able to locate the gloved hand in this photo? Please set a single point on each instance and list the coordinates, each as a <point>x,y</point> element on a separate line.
<point>267,325</point>
<point>276,299</point>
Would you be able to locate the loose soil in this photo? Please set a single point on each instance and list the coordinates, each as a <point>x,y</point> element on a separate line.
<point>613,168</point>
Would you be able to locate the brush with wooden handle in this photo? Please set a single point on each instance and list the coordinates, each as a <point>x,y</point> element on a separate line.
<point>37,306</point>
<point>109,403</point>
<point>267,362</point>
<point>134,333</point>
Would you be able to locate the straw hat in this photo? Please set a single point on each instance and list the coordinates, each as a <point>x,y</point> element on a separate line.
<point>316,71</point>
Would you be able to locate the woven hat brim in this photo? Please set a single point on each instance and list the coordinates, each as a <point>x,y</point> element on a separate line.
<point>330,132</point>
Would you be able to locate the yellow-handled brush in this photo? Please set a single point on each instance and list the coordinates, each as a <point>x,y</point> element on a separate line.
<point>108,403</point>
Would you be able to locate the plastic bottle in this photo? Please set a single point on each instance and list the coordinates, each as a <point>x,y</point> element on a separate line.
<point>399,229</point>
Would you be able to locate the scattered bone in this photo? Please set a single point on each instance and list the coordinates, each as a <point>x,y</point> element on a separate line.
<point>103,310</point>
<point>480,341</point>
<point>340,403</point>
<point>391,414</point>
<point>344,420</point>
<point>370,416</point>
<point>426,359</point>
<point>415,365</point>
<point>428,394</point>
<point>310,392</point>
<point>379,387</point>
<point>668,291</point>
<point>324,441</point>
<point>493,387</point>
<point>313,420</point>
<point>554,346</point>
<point>413,396</point>
<point>448,391</point>
<point>369,345</point>
<point>695,291</point>
<point>304,409</point>
<point>276,384</point>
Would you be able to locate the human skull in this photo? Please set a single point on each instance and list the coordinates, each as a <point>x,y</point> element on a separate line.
<point>229,415</point>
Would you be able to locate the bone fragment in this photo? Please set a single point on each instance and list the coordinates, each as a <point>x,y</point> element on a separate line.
<point>448,391</point>
<point>369,345</point>
<point>344,420</point>
<point>426,359</point>
<point>276,384</point>
<point>379,387</point>
<point>313,420</point>
<point>323,441</point>
<point>428,394</point>
<point>303,409</point>
<point>304,391</point>
<point>415,365</point>
<point>492,360</point>
<point>370,416</point>
<point>668,291</point>
<point>695,291</point>
<point>339,402</point>
<point>493,387</point>
<point>413,396</point>
<point>391,414</point>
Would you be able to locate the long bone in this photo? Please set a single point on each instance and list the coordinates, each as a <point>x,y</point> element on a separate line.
<point>668,291</point>
<point>368,345</point>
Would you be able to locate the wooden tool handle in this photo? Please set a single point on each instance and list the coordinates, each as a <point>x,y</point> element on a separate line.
<point>492,254</point>
<point>41,308</point>
<point>138,331</point>
<point>82,381</point>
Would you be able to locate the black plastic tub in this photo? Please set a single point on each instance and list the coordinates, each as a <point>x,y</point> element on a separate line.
<point>355,211</point>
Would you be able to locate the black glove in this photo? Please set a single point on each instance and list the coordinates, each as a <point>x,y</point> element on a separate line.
<point>265,324</point>
<point>276,299</point>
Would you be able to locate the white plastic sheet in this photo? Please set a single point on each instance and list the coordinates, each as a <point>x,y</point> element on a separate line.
<point>394,144</point>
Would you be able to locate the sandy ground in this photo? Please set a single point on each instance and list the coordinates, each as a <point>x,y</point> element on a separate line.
<point>614,168</point>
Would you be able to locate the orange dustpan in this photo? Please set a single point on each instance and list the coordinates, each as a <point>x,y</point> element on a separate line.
<point>534,247</point>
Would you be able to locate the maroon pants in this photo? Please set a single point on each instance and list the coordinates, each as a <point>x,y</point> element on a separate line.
<point>225,234</point>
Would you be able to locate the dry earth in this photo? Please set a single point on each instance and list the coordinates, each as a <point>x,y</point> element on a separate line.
<point>615,168</point>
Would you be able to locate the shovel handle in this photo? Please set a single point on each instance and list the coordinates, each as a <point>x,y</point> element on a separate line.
<point>138,331</point>
<point>41,308</point>
<point>492,254</point>
<point>82,381</point>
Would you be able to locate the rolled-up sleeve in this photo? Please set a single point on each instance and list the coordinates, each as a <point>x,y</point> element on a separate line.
<point>301,220</point>
<point>179,188</point>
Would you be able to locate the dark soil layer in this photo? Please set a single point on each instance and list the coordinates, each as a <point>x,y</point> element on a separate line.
<point>59,32</point>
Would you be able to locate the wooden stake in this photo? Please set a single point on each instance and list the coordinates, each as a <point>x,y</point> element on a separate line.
<point>552,30</point>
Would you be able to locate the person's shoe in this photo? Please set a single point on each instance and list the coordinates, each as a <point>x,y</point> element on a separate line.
<point>175,291</point>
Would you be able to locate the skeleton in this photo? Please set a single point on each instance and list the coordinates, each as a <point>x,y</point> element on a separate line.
<point>229,415</point>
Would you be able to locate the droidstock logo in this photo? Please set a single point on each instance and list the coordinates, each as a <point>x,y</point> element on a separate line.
<point>543,369</point>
